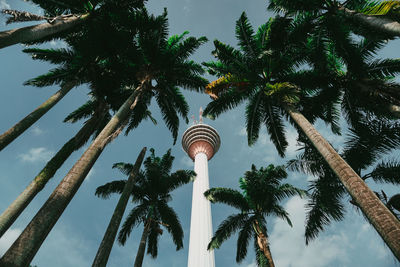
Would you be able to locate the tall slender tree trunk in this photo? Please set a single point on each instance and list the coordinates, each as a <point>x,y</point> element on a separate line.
<point>15,131</point>
<point>8,217</point>
<point>108,240</point>
<point>377,213</point>
<point>28,243</point>
<point>37,32</point>
<point>263,244</point>
<point>382,24</point>
<point>142,245</point>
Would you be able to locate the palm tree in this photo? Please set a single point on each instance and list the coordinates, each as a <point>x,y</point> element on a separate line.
<point>262,192</point>
<point>333,32</point>
<point>82,61</point>
<point>82,64</point>
<point>366,144</point>
<point>261,72</point>
<point>350,11</point>
<point>108,240</point>
<point>162,61</point>
<point>151,192</point>
<point>62,16</point>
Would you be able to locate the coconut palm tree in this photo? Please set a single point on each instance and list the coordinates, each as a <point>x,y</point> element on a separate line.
<point>82,64</point>
<point>62,16</point>
<point>365,146</point>
<point>262,191</point>
<point>261,73</point>
<point>161,67</point>
<point>108,240</point>
<point>151,193</point>
<point>82,61</point>
<point>364,13</point>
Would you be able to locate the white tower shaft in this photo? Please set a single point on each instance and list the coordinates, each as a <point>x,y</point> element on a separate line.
<point>200,142</point>
<point>201,224</point>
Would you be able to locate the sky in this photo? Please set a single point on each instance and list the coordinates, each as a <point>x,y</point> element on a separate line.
<point>75,238</point>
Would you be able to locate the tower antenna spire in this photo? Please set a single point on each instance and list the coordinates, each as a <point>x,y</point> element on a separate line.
<point>201,115</point>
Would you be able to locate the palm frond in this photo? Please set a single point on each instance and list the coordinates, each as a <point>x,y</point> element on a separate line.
<point>245,35</point>
<point>388,172</point>
<point>133,219</point>
<point>245,234</point>
<point>384,68</point>
<point>228,227</point>
<point>378,8</point>
<point>324,206</point>
<point>55,76</point>
<point>82,112</point>
<point>106,190</point>
<point>169,115</point>
<point>288,190</point>
<point>152,239</point>
<point>276,130</point>
<point>169,217</point>
<point>227,196</point>
<point>280,212</point>
<point>178,178</point>
<point>254,117</point>
<point>54,56</point>
<point>123,167</point>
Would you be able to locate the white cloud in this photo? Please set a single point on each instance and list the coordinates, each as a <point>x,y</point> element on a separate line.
<point>38,154</point>
<point>61,240</point>
<point>37,131</point>
<point>288,246</point>
<point>292,148</point>
<point>8,238</point>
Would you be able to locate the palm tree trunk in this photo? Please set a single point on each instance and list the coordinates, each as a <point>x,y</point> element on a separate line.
<point>262,242</point>
<point>385,25</point>
<point>15,131</point>
<point>8,217</point>
<point>28,243</point>
<point>142,245</point>
<point>108,240</point>
<point>379,216</point>
<point>37,32</point>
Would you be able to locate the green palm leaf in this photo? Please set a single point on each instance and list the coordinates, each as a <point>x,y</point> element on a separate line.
<point>227,196</point>
<point>227,228</point>
<point>378,8</point>
<point>135,217</point>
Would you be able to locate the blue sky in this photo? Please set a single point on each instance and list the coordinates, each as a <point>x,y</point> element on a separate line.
<point>75,238</point>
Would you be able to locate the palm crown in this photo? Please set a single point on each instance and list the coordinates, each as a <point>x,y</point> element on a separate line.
<point>258,72</point>
<point>262,192</point>
<point>151,194</point>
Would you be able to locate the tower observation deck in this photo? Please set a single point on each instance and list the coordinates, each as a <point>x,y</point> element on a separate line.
<point>200,142</point>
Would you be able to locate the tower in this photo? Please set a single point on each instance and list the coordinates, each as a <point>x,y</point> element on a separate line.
<point>200,142</point>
